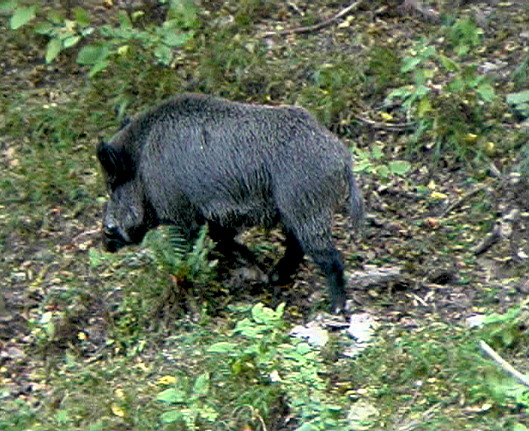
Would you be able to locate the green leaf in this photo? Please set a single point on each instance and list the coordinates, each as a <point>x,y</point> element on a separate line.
<point>401,92</point>
<point>170,416</point>
<point>449,64</point>
<point>424,107</point>
<point>173,39</point>
<point>124,20</point>
<point>376,152</point>
<point>222,347</point>
<point>164,54</point>
<point>410,63</point>
<point>172,396</point>
<point>383,171</point>
<point>22,16</point>
<point>399,167</point>
<point>45,28</point>
<point>485,92</point>
<point>71,41</point>
<point>82,17</point>
<point>53,49</point>
<point>55,17</point>
<point>428,52</point>
<point>98,67</point>
<point>518,98</point>
<point>94,257</point>
<point>201,386</point>
<point>262,314</point>
<point>8,4</point>
<point>92,54</point>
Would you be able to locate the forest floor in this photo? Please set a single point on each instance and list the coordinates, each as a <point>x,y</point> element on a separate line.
<point>87,338</point>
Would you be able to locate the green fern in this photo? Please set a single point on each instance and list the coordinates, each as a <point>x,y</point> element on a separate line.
<point>174,255</point>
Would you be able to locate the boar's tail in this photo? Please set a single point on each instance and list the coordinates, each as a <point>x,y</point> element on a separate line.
<point>356,202</point>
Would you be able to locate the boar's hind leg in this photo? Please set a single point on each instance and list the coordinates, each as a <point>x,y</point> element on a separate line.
<point>330,261</point>
<point>315,238</point>
<point>228,246</point>
<point>289,263</point>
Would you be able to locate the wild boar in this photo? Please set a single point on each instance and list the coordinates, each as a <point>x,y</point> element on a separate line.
<point>197,159</point>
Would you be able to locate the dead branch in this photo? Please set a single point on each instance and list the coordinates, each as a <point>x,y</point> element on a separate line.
<point>504,365</point>
<point>377,277</point>
<point>392,127</point>
<point>491,239</point>
<point>462,200</point>
<point>318,26</point>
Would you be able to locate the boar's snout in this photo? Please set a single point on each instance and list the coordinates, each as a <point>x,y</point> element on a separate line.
<point>112,239</point>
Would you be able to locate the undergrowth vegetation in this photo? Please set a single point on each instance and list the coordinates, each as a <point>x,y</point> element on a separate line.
<point>160,336</point>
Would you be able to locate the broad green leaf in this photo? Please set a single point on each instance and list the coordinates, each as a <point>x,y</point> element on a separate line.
<point>422,90</point>
<point>399,167</point>
<point>424,107</point>
<point>448,63</point>
<point>201,386</point>
<point>170,416</point>
<point>376,152</point>
<point>173,39</point>
<point>428,51</point>
<point>222,347</point>
<point>401,92</point>
<point>486,92</point>
<point>410,63</point>
<point>518,98</point>
<point>172,396</point>
<point>94,257</point>
<point>44,28</point>
<point>124,20</point>
<point>8,4</point>
<point>92,54</point>
<point>63,416</point>
<point>363,166</point>
<point>53,49</point>
<point>82,17</point>
<point>262,314</point>
<point>98,67</point>
<point>71,41</point>
<point>383,171</point>
<point>22,16</point>
<point>164,54</point>
<point>55,16</point>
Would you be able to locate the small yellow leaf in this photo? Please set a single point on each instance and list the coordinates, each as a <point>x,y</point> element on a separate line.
<point>432,185</point>
<point>122,50</point>
<point>386,117</point>
<point>166,380</point>
<point>143,367</point>
<point>489,148</point>
<point>119,393</point>
<point>471,138</point>
<point>347,22</point>
<point>81,336</point>
<point>117,410</point>
<point>438,195</point>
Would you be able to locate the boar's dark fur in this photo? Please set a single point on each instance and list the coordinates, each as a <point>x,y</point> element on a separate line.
<point>198,159</point>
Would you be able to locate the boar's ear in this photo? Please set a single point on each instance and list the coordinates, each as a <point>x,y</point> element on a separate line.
<point>116,162</point>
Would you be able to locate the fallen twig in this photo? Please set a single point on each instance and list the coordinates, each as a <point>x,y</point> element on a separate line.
<point>392,127</point>
<point>491,239</point>
<point>504,365</point>
<point>318,26</point>
<point>462,200</point>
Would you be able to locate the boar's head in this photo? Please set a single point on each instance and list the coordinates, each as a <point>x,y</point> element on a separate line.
<point>128,215</point>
